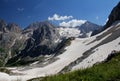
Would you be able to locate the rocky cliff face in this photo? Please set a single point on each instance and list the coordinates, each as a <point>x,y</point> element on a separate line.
<point>87,28</point>
<point>114,16</point>
<point>10,41</point>
<point>43,41</point>
<point>2,25</point>
<point>12,27</point>
<point>38,39</point>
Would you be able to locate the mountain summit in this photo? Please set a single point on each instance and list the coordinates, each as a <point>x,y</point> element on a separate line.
<point>2,25</point>
<point>82,31</point>
<point>43,40</point>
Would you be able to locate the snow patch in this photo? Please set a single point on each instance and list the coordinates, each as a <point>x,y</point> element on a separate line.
<point>69,32</point>
<point>4,77</point>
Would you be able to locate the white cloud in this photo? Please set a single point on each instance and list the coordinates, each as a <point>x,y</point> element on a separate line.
<point>72,23</point>
<point>20,9</point>
<point>58,17</point>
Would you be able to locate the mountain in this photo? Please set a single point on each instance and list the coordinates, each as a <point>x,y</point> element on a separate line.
<point>11,41</point>
<point>12,27</point>
<point>2,25</point>
<point>66,32</point>
<point>40,38</point>
<point>28,31</point>
<point>81,53</point>
<point>40,49</point>
<point>40,41</point>
<point>87,28</point>
<point>113,17</point>
<point>82,31</point>
<point>43,41</point>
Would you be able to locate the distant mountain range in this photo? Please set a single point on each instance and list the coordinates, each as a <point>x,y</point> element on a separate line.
<point>39,38</point>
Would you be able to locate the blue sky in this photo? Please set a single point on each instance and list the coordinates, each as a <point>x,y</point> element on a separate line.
<point>24,12</point>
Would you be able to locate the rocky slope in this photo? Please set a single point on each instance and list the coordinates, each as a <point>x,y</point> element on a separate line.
<point>10,41</point>
<point>12,27</point>
<point>87,28</point>
<point>43,41</point>
<point>40,38</point>
<point>2,25</point>
<point>113,17</point>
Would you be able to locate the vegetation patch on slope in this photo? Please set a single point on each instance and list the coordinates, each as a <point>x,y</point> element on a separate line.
<point>107,71</point>
<point>61,47</point>
<point>5,70</point>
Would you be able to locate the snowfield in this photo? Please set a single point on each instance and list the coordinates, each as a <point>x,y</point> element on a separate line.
<point>99,47</point>
<point>100,54</point>
<point>69,32</point>
<point>73,32</point>
<point>4,77</point>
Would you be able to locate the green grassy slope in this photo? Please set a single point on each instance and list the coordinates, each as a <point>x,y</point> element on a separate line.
<point>107,71</point>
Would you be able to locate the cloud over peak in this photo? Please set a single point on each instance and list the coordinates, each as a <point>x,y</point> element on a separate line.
<point>72,23</point>
<point>58,17</point>
<point>66,21</point>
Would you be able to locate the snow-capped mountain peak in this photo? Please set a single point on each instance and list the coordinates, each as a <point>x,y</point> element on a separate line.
<point>68,32</point>
<point>83,30</point>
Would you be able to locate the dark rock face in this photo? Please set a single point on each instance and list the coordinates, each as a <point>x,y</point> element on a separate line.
<point>18,43</point>
<point>6,40</point>
<point>10,35</point>
<point>34,25</point>
<point>42,41</point>
<point>45,33</point>
<point>2,25</point>
<point>88,27</point>
<point>11,27</point>
<point>114,16</point>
